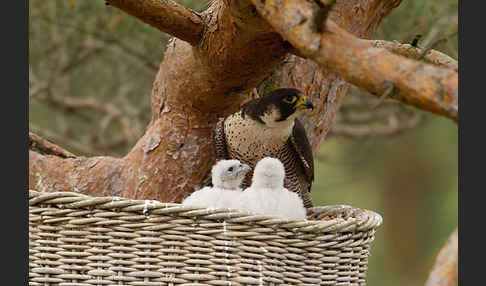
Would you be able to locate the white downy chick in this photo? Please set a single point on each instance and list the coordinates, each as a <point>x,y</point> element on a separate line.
<point>267,194</point>
<point>227,176</point>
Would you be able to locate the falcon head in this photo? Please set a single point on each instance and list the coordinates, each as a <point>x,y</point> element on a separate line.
<point>269,173</point>
<point>228,174</point>
<point>277,106</point>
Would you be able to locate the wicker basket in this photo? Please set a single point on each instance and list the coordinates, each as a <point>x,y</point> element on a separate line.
<point>76,239</point>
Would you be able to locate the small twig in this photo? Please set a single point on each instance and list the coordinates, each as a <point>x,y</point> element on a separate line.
<point>407,50</point>
<point>63,139</point>
<point>434,44</point>
<point>388,92</point>
<point>42,146</point>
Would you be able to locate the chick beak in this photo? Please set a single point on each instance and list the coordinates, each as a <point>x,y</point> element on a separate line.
<point>244,168</point>
<point>304,103</point>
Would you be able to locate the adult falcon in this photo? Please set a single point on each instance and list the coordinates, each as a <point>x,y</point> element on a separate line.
<point>268,127</point>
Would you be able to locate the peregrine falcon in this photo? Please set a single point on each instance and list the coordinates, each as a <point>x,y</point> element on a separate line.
<point>267,194</point>
<point>227,176</point>
<point>268,127</point>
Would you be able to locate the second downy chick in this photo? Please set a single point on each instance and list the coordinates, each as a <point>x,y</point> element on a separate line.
<point>267,194</point>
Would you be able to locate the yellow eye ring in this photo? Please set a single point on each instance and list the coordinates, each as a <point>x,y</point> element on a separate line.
<point>294,98</point>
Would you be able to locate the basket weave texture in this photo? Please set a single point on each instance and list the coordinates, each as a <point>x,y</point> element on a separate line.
<point>76,239</point>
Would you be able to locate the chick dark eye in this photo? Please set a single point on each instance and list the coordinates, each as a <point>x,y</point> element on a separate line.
<point>230,169</point>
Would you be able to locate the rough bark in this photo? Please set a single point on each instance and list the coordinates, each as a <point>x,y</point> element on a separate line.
<point>378,71</point>
<point>167,16</point>
<point>444,272</point>
<point>325,88</point>
<point>195,85</point>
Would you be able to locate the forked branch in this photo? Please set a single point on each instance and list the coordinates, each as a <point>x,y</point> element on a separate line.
<point>427,87</point>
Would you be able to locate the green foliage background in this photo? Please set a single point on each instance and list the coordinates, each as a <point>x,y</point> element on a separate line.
<point>82,50</point>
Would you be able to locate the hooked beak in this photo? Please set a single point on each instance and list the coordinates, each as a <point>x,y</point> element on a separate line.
<point>243,168</point>
<point>304,103</point>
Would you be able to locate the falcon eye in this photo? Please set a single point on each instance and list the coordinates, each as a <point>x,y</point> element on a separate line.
<point>230,169</point>
<point>290,99</point>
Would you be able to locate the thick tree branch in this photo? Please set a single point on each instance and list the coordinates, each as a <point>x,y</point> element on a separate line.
<point>324,87</point>
<point>50,173</point>
<point>165,15</point>
<point>427,87</point>
<point>444,272</point>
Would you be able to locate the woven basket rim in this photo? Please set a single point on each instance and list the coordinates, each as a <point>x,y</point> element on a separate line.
<point>340,218</point>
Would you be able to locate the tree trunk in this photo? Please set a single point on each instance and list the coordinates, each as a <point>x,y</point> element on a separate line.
<point>207,77</point>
